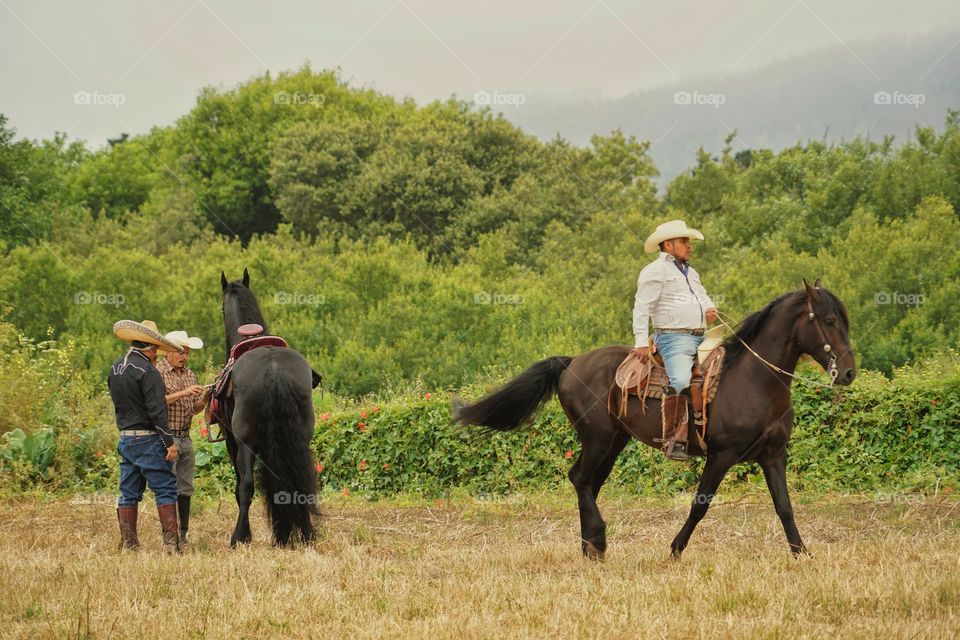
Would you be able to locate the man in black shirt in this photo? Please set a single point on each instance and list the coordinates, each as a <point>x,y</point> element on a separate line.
<point>147,449</point>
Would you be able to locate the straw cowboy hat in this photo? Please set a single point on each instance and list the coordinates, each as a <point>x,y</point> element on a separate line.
<point>669,231</point>
<point>710,342</point>
<point>181,338</point>
<point>146,331</point>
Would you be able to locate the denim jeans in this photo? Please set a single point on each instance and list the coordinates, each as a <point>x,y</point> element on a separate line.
<point>678,351</point>
<point>184,466</point>
<point>143,463</point>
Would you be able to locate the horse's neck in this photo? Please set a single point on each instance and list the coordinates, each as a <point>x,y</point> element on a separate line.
<point>776,345</point>
<point>236,318</point>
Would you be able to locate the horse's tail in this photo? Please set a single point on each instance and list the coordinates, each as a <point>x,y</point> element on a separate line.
<point>518,401</point>
<point>288,479</point>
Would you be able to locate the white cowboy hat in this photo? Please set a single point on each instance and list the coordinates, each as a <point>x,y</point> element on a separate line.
<point>181,338</point>
<point>669,231</point>
<point>146,331</point>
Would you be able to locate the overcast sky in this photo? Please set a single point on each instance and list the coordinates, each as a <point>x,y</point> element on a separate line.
<point>153,57</point>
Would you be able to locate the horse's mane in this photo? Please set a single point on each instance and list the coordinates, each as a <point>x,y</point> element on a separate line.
<point>751,326</point>
<point>247,304</point>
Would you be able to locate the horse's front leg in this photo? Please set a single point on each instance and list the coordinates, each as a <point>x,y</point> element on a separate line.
<point>775,473</point>
<point>713,472</point>
<point>244,493</point>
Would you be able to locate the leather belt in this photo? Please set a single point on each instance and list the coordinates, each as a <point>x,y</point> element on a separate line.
<point>692,332</point>
<point>138,432</point>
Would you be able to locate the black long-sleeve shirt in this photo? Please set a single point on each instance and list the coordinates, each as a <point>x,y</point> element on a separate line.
<point>138,395</point>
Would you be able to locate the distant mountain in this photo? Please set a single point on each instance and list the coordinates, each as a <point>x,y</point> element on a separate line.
<point>882,87</point>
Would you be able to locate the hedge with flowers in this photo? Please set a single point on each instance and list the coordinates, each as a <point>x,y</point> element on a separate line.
<point>880,435</point>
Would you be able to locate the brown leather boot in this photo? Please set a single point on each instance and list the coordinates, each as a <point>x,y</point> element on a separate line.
<point>676,425</point>
<point>168,526</point>
<point>127,517</point>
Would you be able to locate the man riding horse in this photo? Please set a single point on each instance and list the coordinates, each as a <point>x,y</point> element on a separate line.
<point>669,292</point>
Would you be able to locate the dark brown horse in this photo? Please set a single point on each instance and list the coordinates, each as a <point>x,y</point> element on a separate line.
<point>269,416</point>
<point>751,417</point>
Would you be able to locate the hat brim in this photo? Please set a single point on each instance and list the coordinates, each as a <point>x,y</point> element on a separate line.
<point>193,343</point>
<point>652,245</point>
<point>130,330</point>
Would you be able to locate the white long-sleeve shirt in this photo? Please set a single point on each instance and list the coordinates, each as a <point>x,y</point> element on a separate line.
<point>668,298</point>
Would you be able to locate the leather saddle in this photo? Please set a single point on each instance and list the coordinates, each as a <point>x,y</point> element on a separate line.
<point>649,380</point>
<point>223,387</point>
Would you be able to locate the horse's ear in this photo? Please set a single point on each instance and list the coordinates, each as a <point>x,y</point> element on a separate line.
<point>812,293</point>
<point>246,278</point>
<point>223,281</point>
<point>816,284</point>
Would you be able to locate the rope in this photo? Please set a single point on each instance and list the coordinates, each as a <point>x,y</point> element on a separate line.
<point>766,362</point>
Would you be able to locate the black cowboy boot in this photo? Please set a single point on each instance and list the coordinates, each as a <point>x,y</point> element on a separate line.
<point>168,527</point>
<point>675,427</point>
<point>183,510</point>
<point>127,517</point>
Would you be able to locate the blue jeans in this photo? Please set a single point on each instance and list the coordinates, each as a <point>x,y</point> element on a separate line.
<point>142,463</point>
<point>678,350</point>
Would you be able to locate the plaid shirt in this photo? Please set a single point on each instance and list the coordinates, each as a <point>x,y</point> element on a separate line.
<point>181,410</point>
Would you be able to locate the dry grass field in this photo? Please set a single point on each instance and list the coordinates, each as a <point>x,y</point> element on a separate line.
<point>487,569</point>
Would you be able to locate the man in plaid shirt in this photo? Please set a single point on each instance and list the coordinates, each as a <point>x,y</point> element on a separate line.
<point>185,398</point>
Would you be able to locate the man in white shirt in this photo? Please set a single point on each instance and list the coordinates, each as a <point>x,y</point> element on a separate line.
<point>670,294</point>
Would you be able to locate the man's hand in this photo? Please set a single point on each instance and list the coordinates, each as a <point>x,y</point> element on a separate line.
<point>192,390</point>
<point>643,353</point>
<point>711,314</point>
<point>172,452</point>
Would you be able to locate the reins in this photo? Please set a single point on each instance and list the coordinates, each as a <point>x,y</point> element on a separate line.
<point>831,369</point>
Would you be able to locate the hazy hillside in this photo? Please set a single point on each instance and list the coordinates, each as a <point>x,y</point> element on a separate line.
<point>830,93</point>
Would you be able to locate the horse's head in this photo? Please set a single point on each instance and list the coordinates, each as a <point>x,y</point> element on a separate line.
<point>225,284</point>
<point>239,306</point>
<point>822,332</point>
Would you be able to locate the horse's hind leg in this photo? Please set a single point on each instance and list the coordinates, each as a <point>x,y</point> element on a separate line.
<point>713,472</point>
<point>606,466</point>
<point>775,473</point>
<point>599,451</point>
<point>244,493</point>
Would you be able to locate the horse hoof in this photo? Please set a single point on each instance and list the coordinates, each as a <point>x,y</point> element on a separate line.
<point>675,553</point>
<point>238,540</point>
<point>591,552</point>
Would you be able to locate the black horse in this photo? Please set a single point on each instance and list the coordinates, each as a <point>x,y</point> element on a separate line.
<point>751,417</point>
<point>269,416</point>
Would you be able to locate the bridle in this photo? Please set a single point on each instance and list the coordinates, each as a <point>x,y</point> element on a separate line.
<point>831,365</point>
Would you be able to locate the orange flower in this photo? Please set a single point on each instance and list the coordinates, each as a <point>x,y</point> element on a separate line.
<point>363,414</point>
<point>386,465</point>
<point>324,416</point>
<point>204,432</point>
<point>99,454</point>
<point>363,465</point>
<point>319,467</point>
<point>568,454</point>
<point>346,492</point>
<point>361,426</point>
<point>948,489</point>
<point>375,409</point>
<point>427,395</point>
